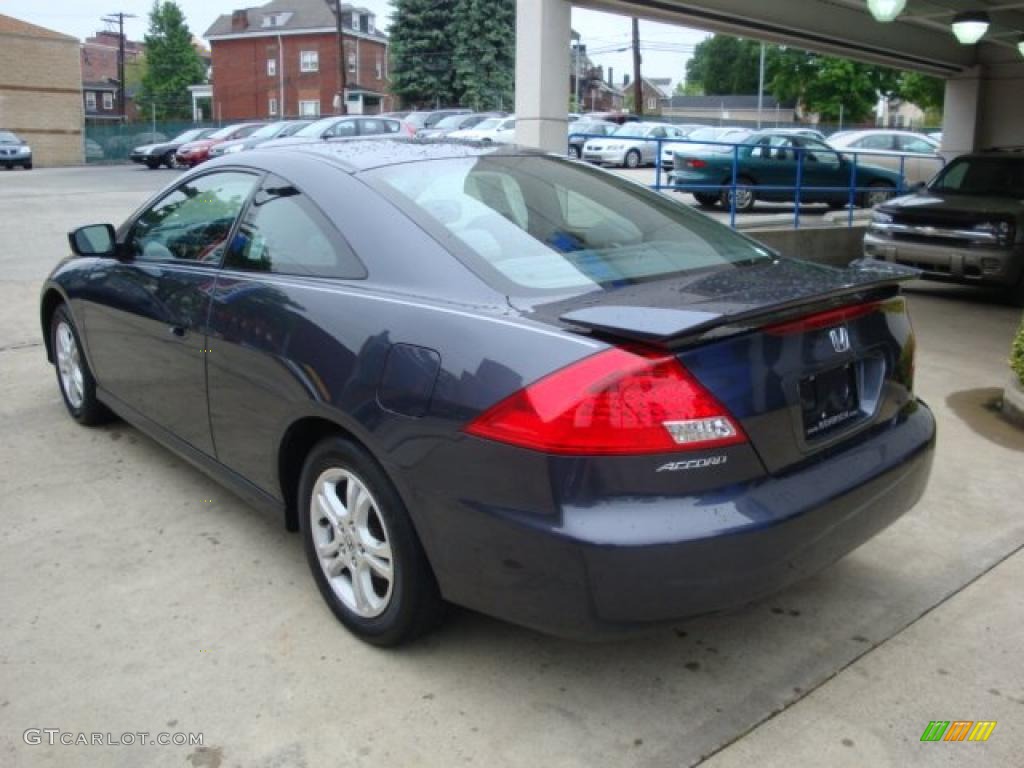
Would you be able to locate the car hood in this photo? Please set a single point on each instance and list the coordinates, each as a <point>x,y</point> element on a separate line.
<point>938,203</point>
<point>200,144</point>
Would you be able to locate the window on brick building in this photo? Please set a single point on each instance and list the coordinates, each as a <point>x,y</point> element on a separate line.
<point>309,108</point>
<point>380,67</point>
<point>309,61</point>
<point>90,100</point>
<point>272,107</point>
<point>271,67</point>
<point>352,63</point>
<point>108,100</point>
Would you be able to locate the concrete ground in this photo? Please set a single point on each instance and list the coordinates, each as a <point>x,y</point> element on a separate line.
<point>140,596</point>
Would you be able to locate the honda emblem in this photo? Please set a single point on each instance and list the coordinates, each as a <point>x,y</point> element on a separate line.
<point>840,338</point>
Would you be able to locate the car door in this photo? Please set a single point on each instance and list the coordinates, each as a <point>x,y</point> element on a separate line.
<point>922,161</point>
<point>649,147</point>
<point>879,150</point>
<point>268,354</point>
<point>374,126</point>
<point>342,129</point>
<point>146,317</point>
<point>826,178</point>
<point>506,132</point>
<point>771,163</point>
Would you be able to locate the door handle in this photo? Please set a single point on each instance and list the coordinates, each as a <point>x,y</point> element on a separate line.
<point>177,330</point>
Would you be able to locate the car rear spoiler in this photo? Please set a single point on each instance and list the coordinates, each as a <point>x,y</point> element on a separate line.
<point>674,328</point>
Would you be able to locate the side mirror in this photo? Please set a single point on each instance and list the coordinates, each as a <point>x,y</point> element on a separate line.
<point>919,187</point>
<point>93,240</point>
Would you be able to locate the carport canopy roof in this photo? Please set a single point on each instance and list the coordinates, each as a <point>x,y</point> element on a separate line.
<point>920,39</point>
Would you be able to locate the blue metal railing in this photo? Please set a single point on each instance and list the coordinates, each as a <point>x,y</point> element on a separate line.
<point>728,189</point>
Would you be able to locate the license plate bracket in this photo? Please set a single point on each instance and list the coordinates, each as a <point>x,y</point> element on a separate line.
<point>829,400</point>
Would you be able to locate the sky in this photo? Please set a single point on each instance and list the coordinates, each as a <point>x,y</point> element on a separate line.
<point>664,48</point>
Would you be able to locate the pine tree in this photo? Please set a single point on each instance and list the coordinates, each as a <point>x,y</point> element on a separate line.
<point>485,53</point>
<point>422,52</point>
<point>172,64</point>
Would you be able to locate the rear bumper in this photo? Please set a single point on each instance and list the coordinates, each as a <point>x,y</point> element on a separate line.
<point>625,563</point>
<point>990,266</point>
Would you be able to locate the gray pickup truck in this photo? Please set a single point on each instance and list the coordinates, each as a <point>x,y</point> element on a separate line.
<point>966,226</point>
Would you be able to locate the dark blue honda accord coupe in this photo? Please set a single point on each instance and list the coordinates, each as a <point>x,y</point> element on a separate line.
<point>498,378</point>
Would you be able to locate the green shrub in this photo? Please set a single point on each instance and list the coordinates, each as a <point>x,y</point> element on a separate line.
<point>1017,354</point>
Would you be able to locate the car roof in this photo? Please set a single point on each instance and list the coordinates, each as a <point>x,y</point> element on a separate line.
<point>355,155</point>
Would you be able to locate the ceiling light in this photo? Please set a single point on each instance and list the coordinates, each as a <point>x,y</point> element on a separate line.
<point>886,10</point>
<point>970,26</point>
<point>1020,46</point>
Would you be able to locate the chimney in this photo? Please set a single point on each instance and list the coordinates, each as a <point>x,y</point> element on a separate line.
<point>611,77</point>
<point>239,21</point>
<point>625,81</point>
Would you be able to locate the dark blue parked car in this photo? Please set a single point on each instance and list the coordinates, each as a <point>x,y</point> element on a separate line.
<point>498,378</point>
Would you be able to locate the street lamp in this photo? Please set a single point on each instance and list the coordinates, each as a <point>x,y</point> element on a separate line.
<point>970,26</point>
<point>886,10</point>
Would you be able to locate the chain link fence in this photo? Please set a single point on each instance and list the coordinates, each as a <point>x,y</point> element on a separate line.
<point>112,142</point>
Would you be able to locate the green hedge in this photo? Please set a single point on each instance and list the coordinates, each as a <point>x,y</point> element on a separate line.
<point>1017,354</point>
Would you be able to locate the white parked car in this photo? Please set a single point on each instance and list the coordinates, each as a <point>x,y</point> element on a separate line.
<point>497,130</point>
<point>706,133</point>
<point>884,147</point>
<point>632,145</point>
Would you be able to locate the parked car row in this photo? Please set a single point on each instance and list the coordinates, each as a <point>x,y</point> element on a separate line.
<point>200,144</point>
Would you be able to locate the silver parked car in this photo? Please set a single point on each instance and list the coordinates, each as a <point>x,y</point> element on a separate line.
<point>884,147</point>
<point>632,145</point>
<point>714,133</point>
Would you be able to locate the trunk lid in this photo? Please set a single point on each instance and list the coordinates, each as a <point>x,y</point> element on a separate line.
<point>804,356</point>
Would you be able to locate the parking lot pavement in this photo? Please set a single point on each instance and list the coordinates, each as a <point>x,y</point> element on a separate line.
<point>140,596</point>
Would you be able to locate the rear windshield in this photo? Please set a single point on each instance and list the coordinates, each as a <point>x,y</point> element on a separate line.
<point>417,119</point>
<point>191,135</point>
<point>631,130</point>
<point>543,226</point>
<point>986,176</point>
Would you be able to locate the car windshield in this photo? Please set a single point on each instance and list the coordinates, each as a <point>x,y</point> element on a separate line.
<point>190,135</point>
<point>6,137</point>
<point>294,127</point>
<point>985,176</point>
<point>487,125</point>
<point>417,119</point>
<point>452,121</point>
<point>225,132</point>
<point>632,130</point>
<point>316,128</point>
<point>267,131</point>
<point>543,226</point>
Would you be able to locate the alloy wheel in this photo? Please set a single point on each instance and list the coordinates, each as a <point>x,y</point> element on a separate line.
<point>352,542</point>
<point>70,365</point>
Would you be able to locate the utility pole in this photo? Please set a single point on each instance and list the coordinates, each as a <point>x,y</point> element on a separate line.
<point>119,17</point>
<point>342,86</point>
<point>638,82</point>
<point>760,89</point>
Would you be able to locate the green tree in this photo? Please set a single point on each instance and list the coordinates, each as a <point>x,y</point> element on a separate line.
<point>929,93</point>
<point>484,55</point>
<point>172,64</point>
<point>723,65</point>
<point>423,52</point>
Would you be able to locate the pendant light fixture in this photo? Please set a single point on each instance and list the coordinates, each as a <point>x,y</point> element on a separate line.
<point>886,10</point>
<point>970,26</point>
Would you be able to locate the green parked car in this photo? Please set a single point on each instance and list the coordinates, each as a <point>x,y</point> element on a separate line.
<point>767,170</point>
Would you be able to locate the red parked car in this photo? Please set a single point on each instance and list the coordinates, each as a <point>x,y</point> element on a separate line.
<point>195,152</point>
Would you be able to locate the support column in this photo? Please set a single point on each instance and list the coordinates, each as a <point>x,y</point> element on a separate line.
<point>543,28</point>
<point>960,113</point>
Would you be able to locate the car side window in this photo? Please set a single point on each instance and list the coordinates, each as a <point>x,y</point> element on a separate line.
<point>875,141</point>
<point>914,144</point>
<point>371,127</point>
<point>284,232</point>
<point>191,223</point>
<point>343,128</point>
<point>817,152</point>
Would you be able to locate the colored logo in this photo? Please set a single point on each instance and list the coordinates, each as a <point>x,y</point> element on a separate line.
<point>958,730</point>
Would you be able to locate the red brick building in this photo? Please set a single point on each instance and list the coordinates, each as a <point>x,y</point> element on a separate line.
<point>99,75</point>
<point>281,60</point>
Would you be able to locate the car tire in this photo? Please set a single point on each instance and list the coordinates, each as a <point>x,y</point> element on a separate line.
<point>632,159</point>
<point>706,199</point>
<point>152,164</point>
<point>27,166</point>
<point>169,160</point>
<point>74,378</point>
<point>351,552</point>
<point>745,198</point>
<point>876,194</point>
<point>574,152</point>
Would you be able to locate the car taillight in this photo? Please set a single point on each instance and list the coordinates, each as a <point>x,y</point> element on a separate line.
<point>409,129</point>
<point>695,163</point>
<point>616,402</point>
